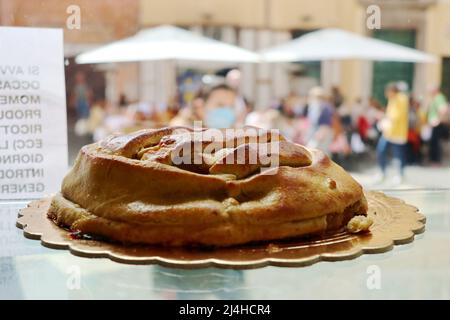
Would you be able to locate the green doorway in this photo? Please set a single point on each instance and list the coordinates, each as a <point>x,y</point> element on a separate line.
<point>445,86</point>
<point>385,72</point>
<point>310,69</point>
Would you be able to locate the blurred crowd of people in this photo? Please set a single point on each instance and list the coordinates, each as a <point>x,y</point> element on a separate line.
<point>405,127</point>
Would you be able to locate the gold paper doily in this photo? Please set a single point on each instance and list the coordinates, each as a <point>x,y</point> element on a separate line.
<point>395,222</point>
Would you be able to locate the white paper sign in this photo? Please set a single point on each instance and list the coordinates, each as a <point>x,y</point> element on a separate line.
<point>33,133</point>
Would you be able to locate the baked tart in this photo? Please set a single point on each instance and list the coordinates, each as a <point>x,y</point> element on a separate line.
<point>179,186</point>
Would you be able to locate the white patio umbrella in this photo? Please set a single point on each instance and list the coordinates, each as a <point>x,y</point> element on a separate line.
<point>167,43</point>
<point>336,44</point>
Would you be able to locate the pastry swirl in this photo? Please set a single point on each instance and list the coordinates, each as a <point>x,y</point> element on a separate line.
<point>130,188</point>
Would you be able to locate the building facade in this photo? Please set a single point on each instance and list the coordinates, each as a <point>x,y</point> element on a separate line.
<point>255,25</point>
<point>101,22</point>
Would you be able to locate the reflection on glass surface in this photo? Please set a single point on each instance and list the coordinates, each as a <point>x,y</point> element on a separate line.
<point>199,284</point>
<point>124,96</point>
<point>412,271</point>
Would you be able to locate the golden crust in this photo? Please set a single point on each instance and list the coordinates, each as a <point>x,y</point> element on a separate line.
<point>120,190</point>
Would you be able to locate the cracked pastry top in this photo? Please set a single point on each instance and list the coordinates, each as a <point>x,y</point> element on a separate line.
<point>133,189</point>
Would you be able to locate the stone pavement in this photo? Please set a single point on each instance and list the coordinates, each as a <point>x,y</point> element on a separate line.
<point>415,177</point>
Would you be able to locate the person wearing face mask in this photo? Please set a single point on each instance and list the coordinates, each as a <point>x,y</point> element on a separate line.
<point>220,108</point>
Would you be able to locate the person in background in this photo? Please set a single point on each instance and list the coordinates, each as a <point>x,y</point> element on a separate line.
<point>194,112</point>
<point>375,114</point>
<point>436,112</point>
<point>123,101</point>
<point>285,119</point>
<point>403,87</point>
<point>295,103</point>
<point>220,108</point>
<point>375,111</point>
<point>115,119</point>
<point>414,124</point>
<point>265,118</point>
<point>320,120</point>
<point>345,114</point>
<point>394,128</point>
<point>375,104</point>
<point>163,117</point>
<point>340,145</point>
<point>336,97</point>
<point>97,115</point>
<point>82,95</point>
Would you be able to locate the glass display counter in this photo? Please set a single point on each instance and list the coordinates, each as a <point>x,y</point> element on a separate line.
<point>418,270</point>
